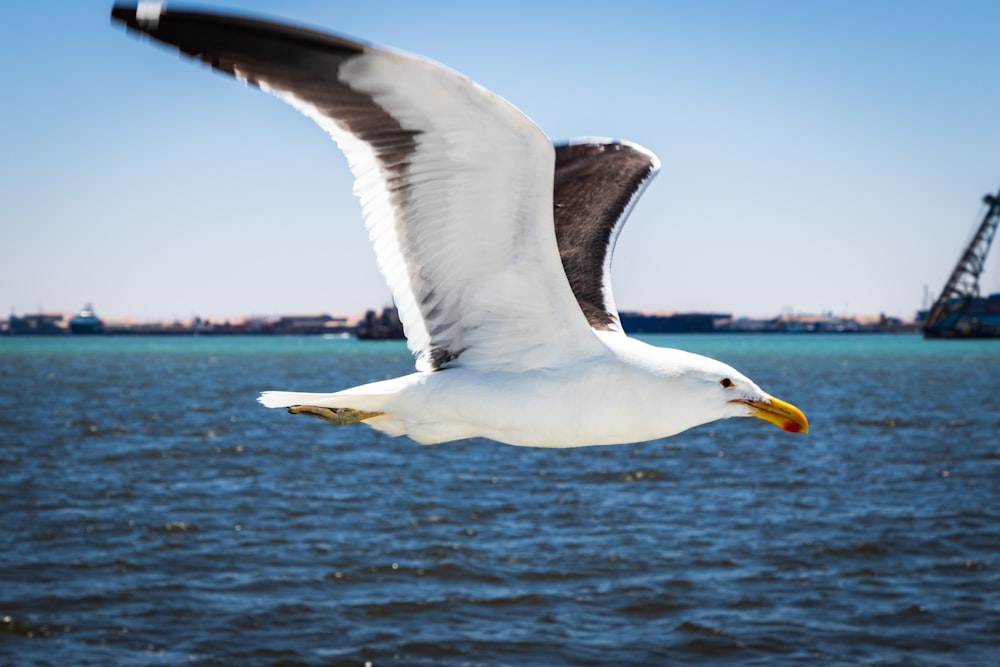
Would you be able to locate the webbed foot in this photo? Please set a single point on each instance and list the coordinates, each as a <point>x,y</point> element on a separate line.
<point>339,416</point>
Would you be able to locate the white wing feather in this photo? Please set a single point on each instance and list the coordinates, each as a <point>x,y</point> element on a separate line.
<point>471,258</point>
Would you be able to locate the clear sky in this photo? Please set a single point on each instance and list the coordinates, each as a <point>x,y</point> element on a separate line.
<point>817,156</point>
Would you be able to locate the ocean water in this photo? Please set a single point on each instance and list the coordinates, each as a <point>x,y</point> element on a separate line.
<point>154,514</point>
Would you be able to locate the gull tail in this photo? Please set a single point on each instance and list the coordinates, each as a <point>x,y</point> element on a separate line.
<point>287,399</point>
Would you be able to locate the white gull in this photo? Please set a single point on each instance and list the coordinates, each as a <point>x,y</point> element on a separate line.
<point>496,244</point>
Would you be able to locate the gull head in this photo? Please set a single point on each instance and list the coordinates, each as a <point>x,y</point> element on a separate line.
<point>749,400</point>
<point>707,390</point>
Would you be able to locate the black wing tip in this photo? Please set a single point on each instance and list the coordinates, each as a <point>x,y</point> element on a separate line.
<point>126,14</point>
<point>176,26</point>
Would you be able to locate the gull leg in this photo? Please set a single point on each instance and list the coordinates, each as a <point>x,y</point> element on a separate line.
<point>339,416</point>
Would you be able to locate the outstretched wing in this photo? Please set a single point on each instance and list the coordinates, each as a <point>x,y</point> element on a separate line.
<point>455,184</point>
<point>597,182</point>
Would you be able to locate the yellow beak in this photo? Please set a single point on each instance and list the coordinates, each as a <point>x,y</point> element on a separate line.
<point>783,415</point>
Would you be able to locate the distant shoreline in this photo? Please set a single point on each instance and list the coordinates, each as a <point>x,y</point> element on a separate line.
<point>387,326</point>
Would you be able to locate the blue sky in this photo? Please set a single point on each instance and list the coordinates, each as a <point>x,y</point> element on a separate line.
<point>817,156</point>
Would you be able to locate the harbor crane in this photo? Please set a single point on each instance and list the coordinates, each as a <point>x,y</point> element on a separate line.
<point>959,311</point>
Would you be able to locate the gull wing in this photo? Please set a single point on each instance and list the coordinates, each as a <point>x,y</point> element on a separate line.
<point>455,184</point>
<point>597,182</point>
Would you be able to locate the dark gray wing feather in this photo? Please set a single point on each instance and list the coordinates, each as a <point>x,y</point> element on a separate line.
<point>597,182</point>
<point>282,57</point>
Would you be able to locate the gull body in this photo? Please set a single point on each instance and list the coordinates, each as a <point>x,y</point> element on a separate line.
<point>632,392</point>
<point>497,246</point>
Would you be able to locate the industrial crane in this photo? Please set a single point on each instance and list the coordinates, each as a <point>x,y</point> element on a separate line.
<point>959,311</point>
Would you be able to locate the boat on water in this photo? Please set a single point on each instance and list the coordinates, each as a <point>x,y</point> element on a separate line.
<point>86,322</point>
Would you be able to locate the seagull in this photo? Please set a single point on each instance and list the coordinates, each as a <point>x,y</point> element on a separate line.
<point>495,242</point>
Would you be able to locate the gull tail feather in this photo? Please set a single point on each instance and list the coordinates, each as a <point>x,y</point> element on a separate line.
<point>372,397</point>
<point>286,399</point>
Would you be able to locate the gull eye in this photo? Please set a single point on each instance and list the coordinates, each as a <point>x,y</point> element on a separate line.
<point>726,383</point>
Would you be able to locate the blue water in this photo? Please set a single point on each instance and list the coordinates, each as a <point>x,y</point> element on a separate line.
<point>154,514</point>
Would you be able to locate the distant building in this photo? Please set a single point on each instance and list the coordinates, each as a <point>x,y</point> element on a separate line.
<point>386,326</point>
<point>311,324</point>
<point>828,323</point>
<point>39,324</point>
<point>645,323</point>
